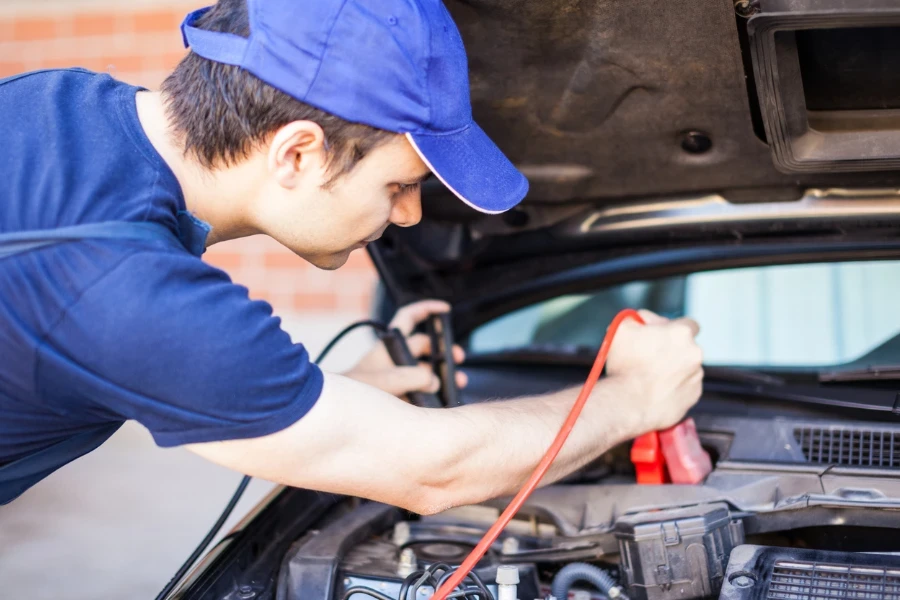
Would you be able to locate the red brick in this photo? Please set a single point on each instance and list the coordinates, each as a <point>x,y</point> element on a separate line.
<point>360,303</point>
<point>12,68</point>
<point>163,61</point>
<point>157,20</point>
<point>280,302</point>
<point>227,261</point>
<point>125,64</point>
<point>35,28</point>
<point>148,79</point>
<point>99,23</point>
<point>59,62</point>
<point>314,302</point>
<point>283,260</point>
<point>359,259</point>
<point>100,64</point>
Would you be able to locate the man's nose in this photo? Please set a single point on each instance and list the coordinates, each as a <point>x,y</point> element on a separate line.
<point>407,210</point>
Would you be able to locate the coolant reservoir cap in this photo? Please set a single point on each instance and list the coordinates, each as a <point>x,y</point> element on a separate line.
<point>507,575</point>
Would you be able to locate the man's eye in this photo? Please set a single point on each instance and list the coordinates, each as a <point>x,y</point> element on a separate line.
<point>405,188</point>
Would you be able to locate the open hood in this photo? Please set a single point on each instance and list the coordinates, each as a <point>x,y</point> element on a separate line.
<point>675,124</point>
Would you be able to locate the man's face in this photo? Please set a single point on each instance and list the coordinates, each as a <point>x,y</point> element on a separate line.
<point>325,224</point>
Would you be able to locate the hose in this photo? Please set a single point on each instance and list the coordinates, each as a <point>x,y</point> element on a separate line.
<point>490,537</point>
<point>573,572</point>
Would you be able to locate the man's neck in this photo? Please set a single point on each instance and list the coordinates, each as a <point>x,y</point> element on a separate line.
<point>218,197</point>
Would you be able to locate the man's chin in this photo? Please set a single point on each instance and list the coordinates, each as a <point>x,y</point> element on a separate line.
<point>330,262</point>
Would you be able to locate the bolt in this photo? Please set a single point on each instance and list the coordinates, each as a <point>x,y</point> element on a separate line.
<point>246,592</point>
<point>402,533</point>
<point>408,562</point>
<point>695,142</point>
<point>510,546</point>
<point>746,8</point>
<point>742,582</point>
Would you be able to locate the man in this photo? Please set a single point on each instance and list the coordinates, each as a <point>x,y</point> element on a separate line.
<point>314,123</point>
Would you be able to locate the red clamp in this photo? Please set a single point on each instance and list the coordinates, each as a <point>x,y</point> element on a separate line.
<point>671,456</point>
<point>648,460</point>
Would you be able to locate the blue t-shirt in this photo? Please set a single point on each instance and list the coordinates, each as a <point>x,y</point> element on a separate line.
<point>102,331</point>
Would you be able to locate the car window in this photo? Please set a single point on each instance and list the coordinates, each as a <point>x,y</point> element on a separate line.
<point>794,315</point>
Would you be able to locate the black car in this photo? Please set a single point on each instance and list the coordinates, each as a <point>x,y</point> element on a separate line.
<point>735,161</point>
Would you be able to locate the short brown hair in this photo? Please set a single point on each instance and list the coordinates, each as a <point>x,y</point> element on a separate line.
<point>221,111</point>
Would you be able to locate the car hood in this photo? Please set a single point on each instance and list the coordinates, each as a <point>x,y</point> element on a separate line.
<point>646,125</point>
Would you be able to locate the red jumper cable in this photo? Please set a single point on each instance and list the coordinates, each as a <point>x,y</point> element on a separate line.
<point>491,536</point>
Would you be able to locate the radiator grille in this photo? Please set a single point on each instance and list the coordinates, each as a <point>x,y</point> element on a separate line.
<point>793,580</point>
<point>849,446</point>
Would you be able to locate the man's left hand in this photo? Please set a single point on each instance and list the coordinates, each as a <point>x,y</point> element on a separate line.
<point>378,370</point>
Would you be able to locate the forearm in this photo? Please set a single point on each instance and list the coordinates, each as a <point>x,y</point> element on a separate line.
<point>360,441</point>
<point>497,445</point>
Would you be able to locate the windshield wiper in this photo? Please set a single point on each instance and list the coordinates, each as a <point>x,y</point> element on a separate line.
<point>868,373</point>
<point>854,399</point>
<point>795,388</point>
<point>736,375</point>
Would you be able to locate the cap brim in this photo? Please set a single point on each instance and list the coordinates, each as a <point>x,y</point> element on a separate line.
<point>472,167</point>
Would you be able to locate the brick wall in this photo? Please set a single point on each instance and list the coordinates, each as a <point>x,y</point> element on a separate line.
<point>138,41</point>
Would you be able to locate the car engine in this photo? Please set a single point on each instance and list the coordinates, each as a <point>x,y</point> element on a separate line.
<point>808,514</point>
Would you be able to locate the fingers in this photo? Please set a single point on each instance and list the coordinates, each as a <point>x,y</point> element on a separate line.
<point>459,355</point>
<point>462,380</point>
<point>420,345</point>
<point>651,318</point>
<point>411,315</point>
<point>403,380</point>
<point>690,324</point>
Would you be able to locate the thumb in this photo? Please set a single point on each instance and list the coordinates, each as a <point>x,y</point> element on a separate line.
<point>399,381</point>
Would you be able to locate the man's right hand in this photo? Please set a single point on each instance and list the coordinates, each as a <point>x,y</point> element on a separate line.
<point>662,363</point>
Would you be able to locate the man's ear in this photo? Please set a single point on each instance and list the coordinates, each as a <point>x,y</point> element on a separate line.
<point>296,151</point>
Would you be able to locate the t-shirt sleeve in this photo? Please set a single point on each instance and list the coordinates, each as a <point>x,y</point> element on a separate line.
<point>172,343</point>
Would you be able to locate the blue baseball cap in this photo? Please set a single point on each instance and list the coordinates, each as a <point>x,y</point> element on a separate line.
<point>398,65</point>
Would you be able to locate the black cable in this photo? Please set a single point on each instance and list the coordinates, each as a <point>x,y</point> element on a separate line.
<point>245,481</point>
<point>367,591</point>
<point>480,591</point>
<point>487,593</point>
<point>377,325</point>
<point>206,540</point>
<point>416,579</point>
<point>408,581</point>
<point>468,594</point>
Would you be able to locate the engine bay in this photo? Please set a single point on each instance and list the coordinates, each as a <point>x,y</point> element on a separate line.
<point>795,508</point>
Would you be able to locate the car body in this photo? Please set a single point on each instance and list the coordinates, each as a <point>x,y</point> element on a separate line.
<point>731,161</point>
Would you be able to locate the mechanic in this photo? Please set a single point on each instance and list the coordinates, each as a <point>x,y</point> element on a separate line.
<point>314,123</point>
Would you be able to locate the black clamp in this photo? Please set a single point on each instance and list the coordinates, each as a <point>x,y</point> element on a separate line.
<point>440,331</point>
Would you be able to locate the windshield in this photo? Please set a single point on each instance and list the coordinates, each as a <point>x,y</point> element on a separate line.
<point>796,315</point>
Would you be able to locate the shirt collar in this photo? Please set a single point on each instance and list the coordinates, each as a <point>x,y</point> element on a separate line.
<point>192,232</point>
